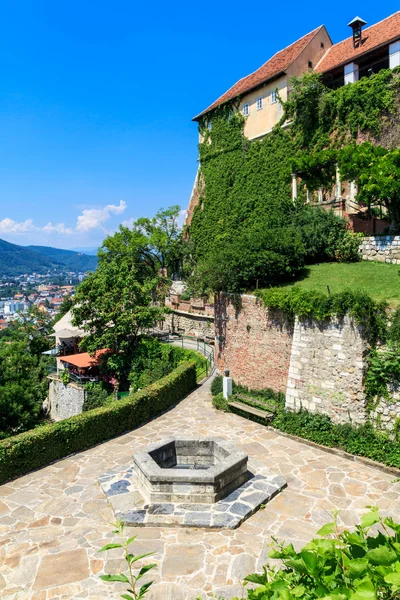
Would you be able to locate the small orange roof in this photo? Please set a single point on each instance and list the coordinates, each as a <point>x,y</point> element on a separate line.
<point>84,360</point>
<point>377,35</point>
<point>272,68</point>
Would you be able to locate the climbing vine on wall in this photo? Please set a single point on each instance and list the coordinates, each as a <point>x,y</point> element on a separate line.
<point>245,230</point>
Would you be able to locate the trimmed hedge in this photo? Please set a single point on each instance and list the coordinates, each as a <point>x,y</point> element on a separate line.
<point>41,446</point>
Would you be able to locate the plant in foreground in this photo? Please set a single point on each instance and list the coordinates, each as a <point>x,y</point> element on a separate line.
<point>338,565</point>
<point>131,579</point>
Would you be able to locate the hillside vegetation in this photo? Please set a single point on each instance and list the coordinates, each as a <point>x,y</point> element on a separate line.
<point>381,281</point>
<point>17,260</point>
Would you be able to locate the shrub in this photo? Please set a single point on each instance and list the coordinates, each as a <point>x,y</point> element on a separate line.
<point>347,247</point>
<point>39,447</point>
<point>154,359</point>
<point>363,440</point>
<point>338,565</point>
<point>320,231</point>
<point>96,395</point>
<point>220,403</point>
<point>216,385</point>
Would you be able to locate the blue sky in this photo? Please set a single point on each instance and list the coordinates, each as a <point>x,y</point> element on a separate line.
<point>96,101</point>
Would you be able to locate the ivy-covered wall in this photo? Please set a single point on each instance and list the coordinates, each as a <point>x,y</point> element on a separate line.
<point>329,354</point>
<point>245,186</point>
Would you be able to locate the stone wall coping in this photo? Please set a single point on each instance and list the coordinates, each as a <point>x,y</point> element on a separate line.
<point>381,238</point>
<point>368,462</point>
<point>193,314</point>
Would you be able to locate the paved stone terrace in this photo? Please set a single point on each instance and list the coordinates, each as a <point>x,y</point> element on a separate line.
<point>53,522</point>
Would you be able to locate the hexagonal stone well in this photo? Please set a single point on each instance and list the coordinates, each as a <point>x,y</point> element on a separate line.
<point>190,482</point>
<point>190,470</point>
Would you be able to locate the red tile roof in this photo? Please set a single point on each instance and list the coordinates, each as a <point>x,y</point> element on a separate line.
<point>84,360</point>
<point>273,67</point>
<point>382,33</point>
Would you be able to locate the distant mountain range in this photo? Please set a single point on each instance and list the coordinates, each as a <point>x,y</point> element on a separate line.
<point>17,260</point>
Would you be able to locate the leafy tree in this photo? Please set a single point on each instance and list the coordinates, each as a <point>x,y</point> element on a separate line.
<point>163,237</point>
<point>376,170</point>
<point>125,294</point>
<point>113,305</point>
<point>152,244</point>
<point>23,370</point>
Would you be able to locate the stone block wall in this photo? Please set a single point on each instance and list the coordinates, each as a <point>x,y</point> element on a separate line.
<point>200,326</point>
<point>65,400</point>
<point>387,411</point>
<point>253,343</point>
<point>381,249</point>
<point>327,369</point>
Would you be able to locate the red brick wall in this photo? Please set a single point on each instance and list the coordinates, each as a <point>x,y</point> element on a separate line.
<point>253,343</point>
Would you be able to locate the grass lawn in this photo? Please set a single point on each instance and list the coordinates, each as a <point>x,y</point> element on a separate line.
<point>380,280</point>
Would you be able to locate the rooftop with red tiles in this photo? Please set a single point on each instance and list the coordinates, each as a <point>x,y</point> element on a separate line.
<point>381,33</point>
<point>269,70</point>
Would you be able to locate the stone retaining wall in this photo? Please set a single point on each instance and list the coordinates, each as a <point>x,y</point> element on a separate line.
<point>65,400</point>
<point>327,369</point>
<point>381,248</point>
<point>387,411</point>
<point>201,326</point>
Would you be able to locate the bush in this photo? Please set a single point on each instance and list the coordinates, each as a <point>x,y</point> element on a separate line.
<point>154,360</point>
<point>338,565</point>
<point>363,440</point>
<point>96,395</point>
<point>216,385</point>
<point>321,231</point>
<point>39,447</point>
<point>347,247</point>
<point>220,403</point>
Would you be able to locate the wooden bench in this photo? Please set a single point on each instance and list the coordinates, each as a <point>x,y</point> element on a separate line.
<point>251,410</point>
<point>255,402</point>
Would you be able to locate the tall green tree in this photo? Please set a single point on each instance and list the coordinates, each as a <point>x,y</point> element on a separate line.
<point>125,295</point>
<point>23,371</point>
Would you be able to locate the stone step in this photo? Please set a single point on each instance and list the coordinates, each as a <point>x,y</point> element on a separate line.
<point>251,410</point>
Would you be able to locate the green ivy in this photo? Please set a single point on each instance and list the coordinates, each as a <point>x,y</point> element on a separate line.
<point>307,304</point>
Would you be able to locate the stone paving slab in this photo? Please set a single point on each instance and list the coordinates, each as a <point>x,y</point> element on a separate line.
<point>122,491</point>
<point>60,512</point>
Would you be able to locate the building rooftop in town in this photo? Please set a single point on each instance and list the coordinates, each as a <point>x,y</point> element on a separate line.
<point>381,33</point>
<point>274,67</point>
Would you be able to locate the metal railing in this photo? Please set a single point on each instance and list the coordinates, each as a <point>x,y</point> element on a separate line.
<point>82,379</point>
<point>189,343</point>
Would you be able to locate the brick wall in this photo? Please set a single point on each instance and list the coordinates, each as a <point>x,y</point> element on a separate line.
<point>253,343</point>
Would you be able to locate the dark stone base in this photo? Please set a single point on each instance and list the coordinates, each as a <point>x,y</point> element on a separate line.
<point>123,492</point>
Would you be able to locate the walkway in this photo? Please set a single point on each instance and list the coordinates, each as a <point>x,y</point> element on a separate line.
<point>53,522</point>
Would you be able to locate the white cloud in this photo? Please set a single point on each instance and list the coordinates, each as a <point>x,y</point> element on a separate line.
<point>57,228</point>
<point>128,223</point>
<point>10,226</point>
<point>91,218</point>
<point>182,217</point>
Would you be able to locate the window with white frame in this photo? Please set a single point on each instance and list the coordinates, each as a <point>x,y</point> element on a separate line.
<point>259,103</point>
<point>274,96</point>
<point>246,110</point>
<point>209,125</point>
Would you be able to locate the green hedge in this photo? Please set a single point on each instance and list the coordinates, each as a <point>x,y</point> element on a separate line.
<point>43,445</point>
<point>363,440</point>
